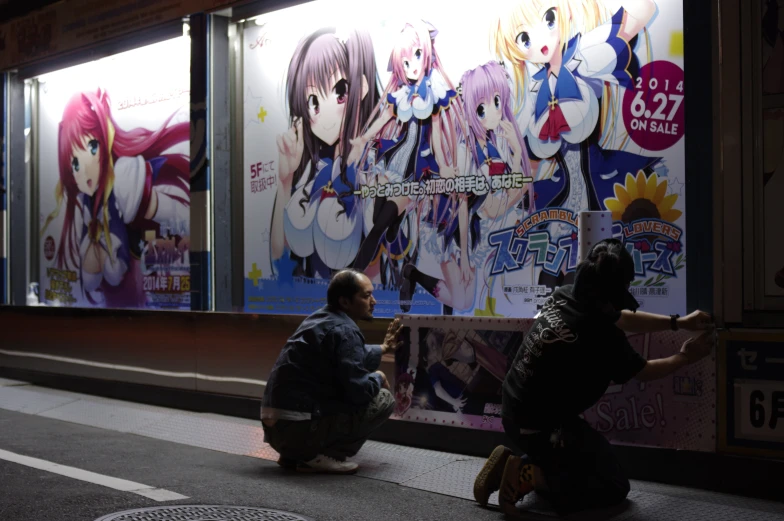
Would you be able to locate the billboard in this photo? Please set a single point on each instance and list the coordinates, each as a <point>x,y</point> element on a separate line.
<point>114,180</point>
<point>450,370</point>
<point>449,154</point>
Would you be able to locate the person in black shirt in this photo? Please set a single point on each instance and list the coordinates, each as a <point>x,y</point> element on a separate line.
<point>326,394</point>
<point>574,349</point>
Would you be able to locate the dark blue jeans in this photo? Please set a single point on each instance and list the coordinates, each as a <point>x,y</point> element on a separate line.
<point>338,436</point>
<point>579,465</point>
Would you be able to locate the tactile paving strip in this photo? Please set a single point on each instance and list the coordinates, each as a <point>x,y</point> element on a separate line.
<point>453,479</point>
<point>655,507</point>
<point>203,513</point>
<point>714,498</point>
<point>220,435</point>
<point>456,479</point>
<point>20,399</point>
<point>107,415</point>
<point>398,464</point>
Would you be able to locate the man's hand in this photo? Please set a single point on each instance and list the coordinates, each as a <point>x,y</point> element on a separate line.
<point>384,381</point>
<point>458,403</point>
<point>695,349</point>
<point>696,321</point>
<point>392,340</point>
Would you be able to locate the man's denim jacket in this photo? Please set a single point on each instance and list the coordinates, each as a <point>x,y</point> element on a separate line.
<point>324,369</point>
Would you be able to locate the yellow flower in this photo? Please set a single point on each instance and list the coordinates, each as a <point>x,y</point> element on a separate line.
<point>642,198</point>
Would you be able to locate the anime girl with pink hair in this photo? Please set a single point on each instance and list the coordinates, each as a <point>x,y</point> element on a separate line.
<point>117,184</point>
<point>413,139</point>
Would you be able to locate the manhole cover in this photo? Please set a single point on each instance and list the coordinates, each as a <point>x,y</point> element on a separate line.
<point>203,513</point>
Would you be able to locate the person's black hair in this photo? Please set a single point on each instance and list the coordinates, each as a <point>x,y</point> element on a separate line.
<point>603,276</point>
<point>344,283</point>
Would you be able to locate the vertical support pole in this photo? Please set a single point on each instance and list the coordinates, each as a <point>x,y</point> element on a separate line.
<point>220,161</point>
<point>201,259</point>
<point>18,208</point>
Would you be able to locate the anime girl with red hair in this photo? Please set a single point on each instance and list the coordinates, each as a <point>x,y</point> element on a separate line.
<point>116,185</point>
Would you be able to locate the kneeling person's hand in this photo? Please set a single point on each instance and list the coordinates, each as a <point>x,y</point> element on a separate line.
<point>695,349</point>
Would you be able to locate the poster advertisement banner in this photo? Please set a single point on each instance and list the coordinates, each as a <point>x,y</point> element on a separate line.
<point>450,371</point>
<point>448,154</point>
<point>114,189</point>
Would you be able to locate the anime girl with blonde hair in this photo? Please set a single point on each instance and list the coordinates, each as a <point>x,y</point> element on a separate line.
<point>118,184</point>
<point>331,90</point>
<point>568,59</point>
<point>413,139</point>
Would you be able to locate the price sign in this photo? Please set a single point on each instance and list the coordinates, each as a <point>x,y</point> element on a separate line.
<point>752,372</point>
<point>653,110</point>
<point>761,405</point>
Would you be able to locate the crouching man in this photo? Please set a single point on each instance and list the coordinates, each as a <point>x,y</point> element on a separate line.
<point>326,393</point>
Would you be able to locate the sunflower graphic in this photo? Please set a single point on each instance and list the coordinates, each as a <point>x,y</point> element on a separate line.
<point>642,198</point>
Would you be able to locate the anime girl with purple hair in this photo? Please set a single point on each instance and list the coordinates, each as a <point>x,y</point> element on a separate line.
<point>116,185</point>
<point>492,146</point>
<point>414,139</point>
<point>331,89</point>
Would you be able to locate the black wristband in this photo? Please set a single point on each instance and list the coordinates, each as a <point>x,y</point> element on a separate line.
<point>674,322</point>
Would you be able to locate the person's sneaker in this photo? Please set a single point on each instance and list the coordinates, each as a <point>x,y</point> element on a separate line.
<point>511,489</point>
<point>489,478</point>
<point>326,465</point>
<point>287,463</point>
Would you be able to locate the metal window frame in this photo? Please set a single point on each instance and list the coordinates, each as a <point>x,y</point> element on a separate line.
<point>729,258</point>
<point>236,108</point>
<point>17,207</point>
<point>700,58</point>
<point>5,186</point>
<point>759,103</point>
<point>22,151</point>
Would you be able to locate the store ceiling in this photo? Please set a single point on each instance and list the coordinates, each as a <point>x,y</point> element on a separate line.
<point>10,9</point>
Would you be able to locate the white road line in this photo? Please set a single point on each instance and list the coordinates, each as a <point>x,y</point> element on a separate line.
<point>157,494</point>
<point>134,369</point>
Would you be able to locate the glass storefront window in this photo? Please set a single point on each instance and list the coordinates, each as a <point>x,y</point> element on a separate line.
<point>112,169</point>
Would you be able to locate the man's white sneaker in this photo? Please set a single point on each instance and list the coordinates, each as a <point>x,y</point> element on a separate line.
<point>326,465</point>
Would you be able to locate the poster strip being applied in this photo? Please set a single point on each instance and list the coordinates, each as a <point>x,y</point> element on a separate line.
<point>450,370</point>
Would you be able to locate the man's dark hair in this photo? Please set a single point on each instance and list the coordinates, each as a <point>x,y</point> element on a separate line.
<point>603,275</point>
<point>344,283</point>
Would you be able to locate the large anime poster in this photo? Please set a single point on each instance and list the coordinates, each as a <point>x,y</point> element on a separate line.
<point>114,188</point>
<point>449,371</point>
<point>448,154</point>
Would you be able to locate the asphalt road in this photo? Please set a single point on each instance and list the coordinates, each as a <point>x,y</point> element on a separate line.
<point>206,477</point>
